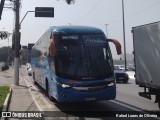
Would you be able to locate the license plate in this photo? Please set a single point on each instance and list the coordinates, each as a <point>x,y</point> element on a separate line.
<point>90,99</point>
<point>120,77</point>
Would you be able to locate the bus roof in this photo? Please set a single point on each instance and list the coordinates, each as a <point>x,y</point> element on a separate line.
<point>75,29</point>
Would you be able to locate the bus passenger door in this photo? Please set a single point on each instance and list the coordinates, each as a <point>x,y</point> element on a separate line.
<point>39,70</point>
<point>45,71</point>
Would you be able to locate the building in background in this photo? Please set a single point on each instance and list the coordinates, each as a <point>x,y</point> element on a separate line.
<point>30,45</point>
<point>25,56</point>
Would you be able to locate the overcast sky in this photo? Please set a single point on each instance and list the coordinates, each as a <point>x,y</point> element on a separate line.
<point>95,13</point>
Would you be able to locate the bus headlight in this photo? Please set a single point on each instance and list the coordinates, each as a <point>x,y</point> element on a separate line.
<point>65,86</point>
<point>111,84</point>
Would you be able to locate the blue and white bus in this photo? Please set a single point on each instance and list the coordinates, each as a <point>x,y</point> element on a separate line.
<point>74,63</point>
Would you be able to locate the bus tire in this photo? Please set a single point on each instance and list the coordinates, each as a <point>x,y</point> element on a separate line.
<point>34,80</point>
<point>47,90</point>
<point>125,81</point>
<point>158,98</point>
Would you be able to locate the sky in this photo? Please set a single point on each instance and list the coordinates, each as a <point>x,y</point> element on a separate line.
<point>96,13</point>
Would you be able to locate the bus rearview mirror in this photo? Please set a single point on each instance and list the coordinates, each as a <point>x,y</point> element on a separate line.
<point>117,44</point>
<point>52,49</point>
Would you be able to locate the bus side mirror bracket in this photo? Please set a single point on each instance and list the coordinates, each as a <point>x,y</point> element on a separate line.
<point>117,44</point>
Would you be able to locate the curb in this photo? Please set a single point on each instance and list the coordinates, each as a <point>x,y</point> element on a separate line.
<point>7,102</point>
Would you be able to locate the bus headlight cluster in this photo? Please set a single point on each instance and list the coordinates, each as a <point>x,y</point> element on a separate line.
<point>111,84</point>
<point>65,86</point>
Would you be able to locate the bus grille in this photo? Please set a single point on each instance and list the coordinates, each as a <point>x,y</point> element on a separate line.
<point>92,87</point>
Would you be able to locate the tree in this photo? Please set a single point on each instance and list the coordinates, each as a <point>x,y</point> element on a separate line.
<point>4,35</point>
<point>70,1</point>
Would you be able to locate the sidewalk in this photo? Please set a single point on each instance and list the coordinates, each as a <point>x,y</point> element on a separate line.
<point>20,99</point>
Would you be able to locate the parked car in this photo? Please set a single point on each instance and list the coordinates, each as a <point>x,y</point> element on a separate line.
<point>29,69</point>
<point>3,66</point>
<point>120,75</point>
<point>28,65</point>
<point>121,67</point>
<point>131,67</point>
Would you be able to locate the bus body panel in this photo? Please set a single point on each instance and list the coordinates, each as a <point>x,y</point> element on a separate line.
<point>90,91</point>
<point>63,87</point>
<point>71,95</point>
<point>68,95</point>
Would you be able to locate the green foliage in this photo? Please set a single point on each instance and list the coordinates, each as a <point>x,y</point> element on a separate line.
<point>70,1</point>
<point>4,34</point>
<point>4,90</point>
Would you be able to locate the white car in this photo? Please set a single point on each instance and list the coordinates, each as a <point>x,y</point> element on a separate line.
<point>28,65</point>
<point>29,69</point>
<point>120,67</point>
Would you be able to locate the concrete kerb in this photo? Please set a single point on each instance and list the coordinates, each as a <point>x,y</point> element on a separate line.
<point>6,103</point>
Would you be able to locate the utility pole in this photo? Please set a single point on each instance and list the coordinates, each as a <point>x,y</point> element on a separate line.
<point>106,30</point>
<point>16,44</point>
<point>124,36</point>
<point>8,52</point>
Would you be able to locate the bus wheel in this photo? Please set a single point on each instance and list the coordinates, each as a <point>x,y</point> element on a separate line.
<point>47,90</point>
<point>158,99</point>
<point>34,80</point>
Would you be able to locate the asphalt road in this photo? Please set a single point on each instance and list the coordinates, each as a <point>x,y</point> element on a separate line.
<point>127,100</point>
<point>128,94</point>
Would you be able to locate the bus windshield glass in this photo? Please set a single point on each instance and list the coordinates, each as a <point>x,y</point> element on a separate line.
<point>83,57</point>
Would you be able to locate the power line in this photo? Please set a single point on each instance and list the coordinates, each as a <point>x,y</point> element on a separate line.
<point>142,10</point>
<point>136,13</point>
<point>90,11</point>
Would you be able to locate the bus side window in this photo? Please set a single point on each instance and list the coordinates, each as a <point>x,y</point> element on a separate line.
<point>52,65</point>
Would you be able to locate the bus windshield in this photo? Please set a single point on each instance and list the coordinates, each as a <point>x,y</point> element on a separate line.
<point>83,57</point>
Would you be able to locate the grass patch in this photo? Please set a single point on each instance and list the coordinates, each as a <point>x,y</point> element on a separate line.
<point>4,90</point>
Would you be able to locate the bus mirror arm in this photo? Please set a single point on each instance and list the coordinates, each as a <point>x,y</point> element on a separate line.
<point>117,44</point>
<point>52,48</point>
